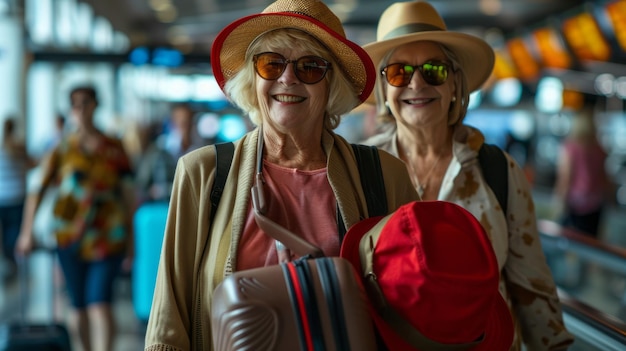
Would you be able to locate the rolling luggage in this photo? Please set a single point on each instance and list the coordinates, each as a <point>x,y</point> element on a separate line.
<point>307,304</point>
<point>149,226</point>
<point>310,304</point>
<point>31,337</point>
<point>22,335</point>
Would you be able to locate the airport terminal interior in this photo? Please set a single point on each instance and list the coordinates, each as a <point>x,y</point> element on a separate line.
<point>144,56</point>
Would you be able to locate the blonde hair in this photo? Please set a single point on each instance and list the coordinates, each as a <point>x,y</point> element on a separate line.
<point>458,108</point>
<point>241,88</point>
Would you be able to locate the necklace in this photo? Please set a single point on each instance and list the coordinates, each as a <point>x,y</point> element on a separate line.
<point>421,186</point>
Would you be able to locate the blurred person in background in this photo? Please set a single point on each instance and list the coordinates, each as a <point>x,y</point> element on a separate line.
<point>92,219</point>
<point>582,187</point>
<point>582,191</point>
<point>425,76</point>
<point>14,165</point>
<point>182,135</point>
<point>155,171</point>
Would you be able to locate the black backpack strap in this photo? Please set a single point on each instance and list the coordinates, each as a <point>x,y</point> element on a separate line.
<point>223,158</point>
<point>372,181</point>
<point>496,172</point>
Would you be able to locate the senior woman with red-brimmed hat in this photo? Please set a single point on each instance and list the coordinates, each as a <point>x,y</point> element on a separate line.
<point>294,73</point>
<point>425,76</point>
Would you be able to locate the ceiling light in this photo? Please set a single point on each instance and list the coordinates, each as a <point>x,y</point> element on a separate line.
<point>490,7</point>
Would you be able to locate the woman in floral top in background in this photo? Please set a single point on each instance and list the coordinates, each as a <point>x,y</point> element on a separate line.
<point>92,219</point>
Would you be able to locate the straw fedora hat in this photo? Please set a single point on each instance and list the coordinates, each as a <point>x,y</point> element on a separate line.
<point>311,16</point>
<point>405,22</point>
<point>432,279</point>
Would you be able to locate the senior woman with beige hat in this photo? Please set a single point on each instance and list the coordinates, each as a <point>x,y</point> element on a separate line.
<point>426,75</point>
<point>294,73</point>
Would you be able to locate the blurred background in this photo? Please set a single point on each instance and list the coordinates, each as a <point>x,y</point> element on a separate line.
<point>143,56</point>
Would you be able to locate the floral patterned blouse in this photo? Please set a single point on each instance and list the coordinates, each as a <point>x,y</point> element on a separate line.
<point>90,213</point>
<point>526,280</point>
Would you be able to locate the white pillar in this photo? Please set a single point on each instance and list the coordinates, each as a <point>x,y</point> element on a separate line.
<point>11,67</point>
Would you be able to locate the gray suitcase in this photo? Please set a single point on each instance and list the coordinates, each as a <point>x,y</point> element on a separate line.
<point>22,335</point>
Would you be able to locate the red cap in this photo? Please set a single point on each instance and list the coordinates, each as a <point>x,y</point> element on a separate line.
<point>436,269</point>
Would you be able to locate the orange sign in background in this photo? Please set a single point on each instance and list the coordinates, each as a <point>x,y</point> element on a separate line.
<point>584,34</point>
<point>551,49</point>
<point>585,38</point>
<point>616,12</point>
<point>526,65</point>
<point>503,67</point>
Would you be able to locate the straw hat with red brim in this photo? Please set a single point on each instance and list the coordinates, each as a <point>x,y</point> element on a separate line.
<point>406,22</point>
<point>432,278</point>
<point>228,52</point>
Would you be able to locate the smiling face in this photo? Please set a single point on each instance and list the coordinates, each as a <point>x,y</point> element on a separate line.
<point>420,103</point>
<point>288,102</point>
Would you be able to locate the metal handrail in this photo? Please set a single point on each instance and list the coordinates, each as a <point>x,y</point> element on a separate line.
<point>585,321</point>
<point>592,325</point>
<point>554,235</point>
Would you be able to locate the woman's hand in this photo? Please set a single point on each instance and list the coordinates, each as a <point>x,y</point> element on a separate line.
<point>127,263</point>
<point>25,243</point>
<point>129,257</point>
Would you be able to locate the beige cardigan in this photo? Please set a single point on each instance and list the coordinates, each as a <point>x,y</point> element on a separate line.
<point>180,316</point>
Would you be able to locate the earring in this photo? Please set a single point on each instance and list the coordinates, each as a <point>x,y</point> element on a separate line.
<point>387,103</point>
<point>454,99</point>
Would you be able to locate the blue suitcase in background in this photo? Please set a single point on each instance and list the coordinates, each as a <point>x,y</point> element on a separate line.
<point>149,225</point>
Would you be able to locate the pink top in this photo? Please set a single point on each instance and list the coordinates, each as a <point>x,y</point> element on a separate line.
<point>301,201</point>
<point>587,184</point>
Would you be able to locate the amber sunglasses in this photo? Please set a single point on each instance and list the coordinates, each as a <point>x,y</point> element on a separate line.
<point>309,69</point>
